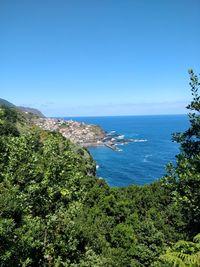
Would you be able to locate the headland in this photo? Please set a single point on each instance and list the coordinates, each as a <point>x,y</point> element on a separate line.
<point>85,135</point>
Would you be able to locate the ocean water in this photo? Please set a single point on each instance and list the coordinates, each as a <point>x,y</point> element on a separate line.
<point>139,162</point>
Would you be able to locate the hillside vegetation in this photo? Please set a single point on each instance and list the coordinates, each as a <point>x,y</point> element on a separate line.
<point>33,111</point>
<point>54,211</point>
<point>4,102</point>
<point>29,112</point>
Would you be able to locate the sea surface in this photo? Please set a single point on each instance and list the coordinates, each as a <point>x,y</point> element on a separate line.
<point>139,162</point>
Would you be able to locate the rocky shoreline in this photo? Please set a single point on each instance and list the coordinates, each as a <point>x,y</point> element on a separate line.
<point>85,135</point>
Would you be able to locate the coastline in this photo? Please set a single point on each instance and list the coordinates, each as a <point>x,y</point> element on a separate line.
<point>85,135</point>
<point>80,133</point>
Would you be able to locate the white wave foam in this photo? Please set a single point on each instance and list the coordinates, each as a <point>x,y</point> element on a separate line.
<point>138,140</point>
<point>120,137</point>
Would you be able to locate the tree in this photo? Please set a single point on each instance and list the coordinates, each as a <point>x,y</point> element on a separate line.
<point>185,176</point>
<point>190,139</point>
<point>41,194</point>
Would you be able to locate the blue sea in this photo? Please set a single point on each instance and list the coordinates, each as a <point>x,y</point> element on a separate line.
<point>139,162</point>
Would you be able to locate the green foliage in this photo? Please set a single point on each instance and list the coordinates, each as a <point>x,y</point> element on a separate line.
<point>41,194</point>
<point>8,114</point>
<point>7,128</point>
<point>183,254</point>
<point>190,139</point>
<point>186,174</point>
<point>4,102</point>
<point>8,118</point>
<point>55,212</point>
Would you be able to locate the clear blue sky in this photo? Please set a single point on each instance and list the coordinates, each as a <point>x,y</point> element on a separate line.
<point>99,57</point>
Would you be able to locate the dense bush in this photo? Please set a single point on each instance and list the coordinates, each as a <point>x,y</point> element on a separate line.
<point>54,212</point>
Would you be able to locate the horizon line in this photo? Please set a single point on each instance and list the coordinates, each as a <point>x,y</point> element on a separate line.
<point>136,115</point>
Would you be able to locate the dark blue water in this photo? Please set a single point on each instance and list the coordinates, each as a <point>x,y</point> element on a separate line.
<point>142,162</point>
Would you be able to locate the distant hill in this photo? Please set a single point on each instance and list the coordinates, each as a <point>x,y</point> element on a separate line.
<point>4,102</point>
<point>32,110</point>
<point>27,110</point>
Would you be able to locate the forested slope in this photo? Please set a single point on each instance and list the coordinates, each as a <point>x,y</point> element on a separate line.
<point>54,211</point>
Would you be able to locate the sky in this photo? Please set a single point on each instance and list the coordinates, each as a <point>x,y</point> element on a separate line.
<point>99,57</point>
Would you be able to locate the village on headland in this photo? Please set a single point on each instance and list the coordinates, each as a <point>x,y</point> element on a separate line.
<point>85,135</point>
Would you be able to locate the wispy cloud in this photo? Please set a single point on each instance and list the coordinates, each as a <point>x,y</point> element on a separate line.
<point>110,109</point>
